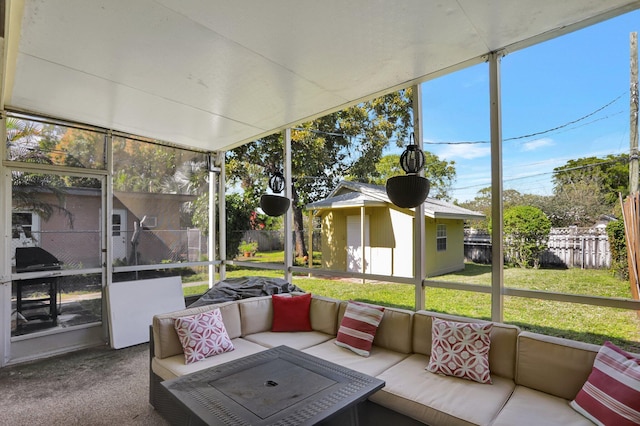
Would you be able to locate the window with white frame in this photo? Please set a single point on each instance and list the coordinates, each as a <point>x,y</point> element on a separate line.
<point>441,237</point>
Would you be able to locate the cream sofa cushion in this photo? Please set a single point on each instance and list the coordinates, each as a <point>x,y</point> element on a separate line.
<point>554,365</point>
<point>379,360</point>
<point>504,338</point>
<point>256,314</point>
<point>294,339</point>
<point>528,407</point>
<point>324,314</point>
<point>440,400</point>
<point>174,366</point>
<point>165,338</point>
<point>395,331</point>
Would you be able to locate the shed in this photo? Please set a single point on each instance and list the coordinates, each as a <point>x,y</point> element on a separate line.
<point>355,212</point>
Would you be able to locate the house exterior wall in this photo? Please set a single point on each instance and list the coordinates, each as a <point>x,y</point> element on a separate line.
<point>451,259</point>
<point>77,246</point>
<point>391,242</point>
<point>403,247</point>
<point>334,240</point>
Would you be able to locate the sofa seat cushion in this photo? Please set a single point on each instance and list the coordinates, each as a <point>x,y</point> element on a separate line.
<point>294,339</point>
<point>174,366</point>
<point>528,407</point>
<point>440,400</point>
<point>379,360</point>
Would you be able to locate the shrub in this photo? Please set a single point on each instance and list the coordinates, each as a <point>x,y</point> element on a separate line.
<point>618,248</point>
<point>526,230</point>
<point>248,247</point>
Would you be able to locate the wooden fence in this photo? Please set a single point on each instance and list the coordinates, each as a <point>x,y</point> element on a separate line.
<point>570,247</point>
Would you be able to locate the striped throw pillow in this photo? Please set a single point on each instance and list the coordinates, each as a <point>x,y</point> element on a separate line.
<point>611,395</point>
<point>358,327</point>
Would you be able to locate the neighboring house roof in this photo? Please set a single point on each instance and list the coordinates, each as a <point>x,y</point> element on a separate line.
<point>357,194</point>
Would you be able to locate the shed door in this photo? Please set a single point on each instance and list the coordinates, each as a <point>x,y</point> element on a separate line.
<point>355,261</point>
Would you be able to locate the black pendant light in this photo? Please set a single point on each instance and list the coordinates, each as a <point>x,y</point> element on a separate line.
<point>411,189</point>
<point>272,204</point>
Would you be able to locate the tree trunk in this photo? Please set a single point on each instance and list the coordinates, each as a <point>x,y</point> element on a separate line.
<point>298,225</point>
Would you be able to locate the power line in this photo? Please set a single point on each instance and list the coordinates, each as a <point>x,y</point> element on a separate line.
<point>535,133</point>
<point>553,172</point>
<point>530,135</point>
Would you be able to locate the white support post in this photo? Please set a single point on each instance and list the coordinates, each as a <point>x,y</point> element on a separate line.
<point>419,235</point>
<point>497,253</point>
<point>310,260</point>
<point>106,232</point>
<point>288,219</point>
<point>363,255</point>
<point>5,250</point>
<point>211,242</point>
<point>222,209</point>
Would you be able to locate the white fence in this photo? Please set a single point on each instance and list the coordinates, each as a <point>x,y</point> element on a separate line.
<point>571,247</point>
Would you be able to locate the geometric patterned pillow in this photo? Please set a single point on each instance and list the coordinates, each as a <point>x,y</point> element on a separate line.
<point>461,350</point>
<point>611,394</point>
<point>202,335</point>
<point>358,327</point>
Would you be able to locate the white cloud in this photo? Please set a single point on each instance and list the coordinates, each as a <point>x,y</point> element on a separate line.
<point>468,152</point>
<point>537,144</point>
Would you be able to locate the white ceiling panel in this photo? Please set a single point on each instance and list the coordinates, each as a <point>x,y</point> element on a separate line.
<point>215,74</point>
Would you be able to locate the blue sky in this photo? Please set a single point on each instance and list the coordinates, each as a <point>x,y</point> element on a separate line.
<point>543,87</point>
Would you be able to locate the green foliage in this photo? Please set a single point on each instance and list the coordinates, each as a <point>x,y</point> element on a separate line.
<point>248,247</point>
<point>612,173</point>
<point>238,217</point>
<point>618,248</point>
<point>526,229</point>
<point>346,143</point>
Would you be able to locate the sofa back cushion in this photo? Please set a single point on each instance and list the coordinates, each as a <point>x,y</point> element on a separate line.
<point>554,365</point>
<point>504,338</point>
<point>165,338</point>
<point>256,314</point>
<point>394,331</point>
<point>324,314</point>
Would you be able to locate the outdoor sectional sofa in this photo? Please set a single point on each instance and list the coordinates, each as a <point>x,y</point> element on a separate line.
<point>534,377</point>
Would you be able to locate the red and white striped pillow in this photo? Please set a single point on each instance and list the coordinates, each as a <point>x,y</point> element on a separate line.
<point>202,335</point>
<point>611,394</point>
<point>358,327</point>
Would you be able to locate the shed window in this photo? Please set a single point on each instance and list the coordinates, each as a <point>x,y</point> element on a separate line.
<point>441,237</point>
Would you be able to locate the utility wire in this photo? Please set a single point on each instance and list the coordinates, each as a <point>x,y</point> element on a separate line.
<point>530,135</point>
<point>553,172</point>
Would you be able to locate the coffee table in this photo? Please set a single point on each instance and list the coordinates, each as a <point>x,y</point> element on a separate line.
<point>279,386</point>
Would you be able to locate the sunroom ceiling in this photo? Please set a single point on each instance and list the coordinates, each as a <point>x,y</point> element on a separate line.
<point>215,74</point>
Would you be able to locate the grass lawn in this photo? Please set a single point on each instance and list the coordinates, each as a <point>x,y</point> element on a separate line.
<point>575,321</point>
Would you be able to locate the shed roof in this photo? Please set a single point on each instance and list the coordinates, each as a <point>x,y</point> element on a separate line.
<point>356,194</point>
<point>216,74</point>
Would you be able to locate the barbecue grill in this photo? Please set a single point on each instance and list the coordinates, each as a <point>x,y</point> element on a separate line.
<point>35,259</point>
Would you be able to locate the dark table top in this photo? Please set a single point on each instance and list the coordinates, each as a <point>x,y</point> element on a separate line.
<point>277,386</point>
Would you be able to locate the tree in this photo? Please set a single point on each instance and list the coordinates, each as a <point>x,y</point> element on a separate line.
<point>482,203</point>
<point>346,143</point>
<point>24,144</point>
<point>589,187</point>
<point>526,230</point>
<point>441,173</point>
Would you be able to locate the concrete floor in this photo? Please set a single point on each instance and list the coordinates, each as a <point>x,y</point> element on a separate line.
<point>98,386</point>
